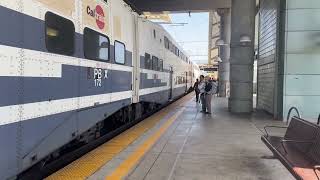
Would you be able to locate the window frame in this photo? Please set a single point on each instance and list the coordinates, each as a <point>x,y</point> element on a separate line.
<point>72,52</point>
<point>155,65</point>
<point>173,50</point>
<point>160,65</point>
<point>154,34</point>
<point>166,42</point>
<point>84,51</point>
<point>125,49</point>
<point>145,61</point>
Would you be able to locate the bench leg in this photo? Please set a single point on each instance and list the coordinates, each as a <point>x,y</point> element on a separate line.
<point>316,169</point>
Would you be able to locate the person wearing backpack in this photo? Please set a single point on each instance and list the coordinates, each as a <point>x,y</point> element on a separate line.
<point>201,87</point>
<point>211,90</point>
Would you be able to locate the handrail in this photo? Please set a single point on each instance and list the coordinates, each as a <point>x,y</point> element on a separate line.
<point>289,113</point>
<point>266,131</point>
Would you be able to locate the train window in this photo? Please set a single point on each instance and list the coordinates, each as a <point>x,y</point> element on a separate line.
<point>154,34</point>
<point>119,52</point>
<point>166,42</point>
<point>147,61</point>
<point>160,68</point>
<point>59,34</point>
<point>155,63</point>
<point>96,45</point>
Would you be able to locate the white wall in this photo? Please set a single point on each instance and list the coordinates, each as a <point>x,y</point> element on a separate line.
<point>302,58</point>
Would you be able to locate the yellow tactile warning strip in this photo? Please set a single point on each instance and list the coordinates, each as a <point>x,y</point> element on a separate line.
<point>91,162</point>
<point>126,166</point>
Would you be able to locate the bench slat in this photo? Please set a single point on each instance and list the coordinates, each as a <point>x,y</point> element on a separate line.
<point>301,130</point>
<point>314,152</point>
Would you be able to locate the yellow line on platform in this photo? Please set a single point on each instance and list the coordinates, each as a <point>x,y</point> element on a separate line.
<point>88,164</point>
<point>127,165</point>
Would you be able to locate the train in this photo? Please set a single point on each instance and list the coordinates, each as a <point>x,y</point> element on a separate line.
<point>72,70</point>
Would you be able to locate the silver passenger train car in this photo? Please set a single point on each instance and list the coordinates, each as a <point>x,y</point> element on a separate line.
<point>69,70</point>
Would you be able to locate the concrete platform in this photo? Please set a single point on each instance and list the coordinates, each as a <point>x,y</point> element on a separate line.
<point>198,146</point>
<point>179,142</point>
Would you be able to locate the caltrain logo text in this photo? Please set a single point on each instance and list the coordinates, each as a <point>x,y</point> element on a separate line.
<point>98,14</point>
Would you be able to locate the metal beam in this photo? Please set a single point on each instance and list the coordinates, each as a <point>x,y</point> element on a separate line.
<point>132,4</point>
<point>179,5</point>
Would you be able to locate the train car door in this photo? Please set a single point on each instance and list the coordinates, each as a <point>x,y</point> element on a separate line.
<point>170,83</point>
<point>186,81</point>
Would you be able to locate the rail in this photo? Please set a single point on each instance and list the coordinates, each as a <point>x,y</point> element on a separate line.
<point>289,114</point>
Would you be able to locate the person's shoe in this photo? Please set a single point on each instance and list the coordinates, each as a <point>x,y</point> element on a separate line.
<point>203,112</point>
<point>208,112</point>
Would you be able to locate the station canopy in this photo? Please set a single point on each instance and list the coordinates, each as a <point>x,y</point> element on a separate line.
<point>177,5</point>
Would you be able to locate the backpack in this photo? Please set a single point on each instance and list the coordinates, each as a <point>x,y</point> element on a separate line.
<point>208,87</point>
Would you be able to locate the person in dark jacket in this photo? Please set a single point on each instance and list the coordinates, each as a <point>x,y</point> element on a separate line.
<point>196,90</point>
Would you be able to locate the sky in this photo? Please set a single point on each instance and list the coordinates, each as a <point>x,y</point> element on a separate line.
<point>192,37</point>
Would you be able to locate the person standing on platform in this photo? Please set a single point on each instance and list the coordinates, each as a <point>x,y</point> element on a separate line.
<point>201,86</point>
<point>211,90</point>
<point>196,90</point>
<point>218,86</point>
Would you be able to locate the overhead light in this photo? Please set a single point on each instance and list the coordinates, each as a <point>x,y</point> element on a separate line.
<point>245,39</point>
<point>220,42</point>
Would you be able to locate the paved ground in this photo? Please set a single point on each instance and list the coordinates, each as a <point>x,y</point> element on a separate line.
<point>205,147</point>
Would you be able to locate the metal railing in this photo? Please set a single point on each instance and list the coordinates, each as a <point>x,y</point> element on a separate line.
<point>289,114</point>
<point>288,120</point>
<point>287,123</point>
